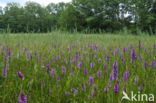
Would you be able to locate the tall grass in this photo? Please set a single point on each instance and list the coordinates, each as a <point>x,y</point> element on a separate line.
<point>41,57</point>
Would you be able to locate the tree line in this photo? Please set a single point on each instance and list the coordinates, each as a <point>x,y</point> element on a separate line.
<point>81,16</point>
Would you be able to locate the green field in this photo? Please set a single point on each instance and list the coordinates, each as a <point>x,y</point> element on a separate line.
<point>57,67</point>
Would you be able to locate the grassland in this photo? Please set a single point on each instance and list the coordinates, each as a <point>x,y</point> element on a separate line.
<point>76,68</point>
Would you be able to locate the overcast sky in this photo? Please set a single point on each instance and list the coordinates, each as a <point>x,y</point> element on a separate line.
<point>42,2</point>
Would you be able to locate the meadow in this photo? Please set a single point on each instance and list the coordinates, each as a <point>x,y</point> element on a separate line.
<point>76,68</point>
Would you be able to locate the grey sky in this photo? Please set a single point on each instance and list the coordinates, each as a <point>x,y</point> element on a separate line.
<point>42,2</point>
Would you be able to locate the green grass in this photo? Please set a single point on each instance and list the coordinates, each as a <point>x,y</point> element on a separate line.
<point>43,49</point>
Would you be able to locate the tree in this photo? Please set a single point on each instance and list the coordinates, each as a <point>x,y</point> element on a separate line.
<point>70,19</point>
<point>13,16</point>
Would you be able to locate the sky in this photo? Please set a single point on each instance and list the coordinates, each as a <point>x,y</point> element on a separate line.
<point>42,2</point>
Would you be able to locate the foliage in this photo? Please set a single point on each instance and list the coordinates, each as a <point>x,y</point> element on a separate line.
<point>81,15</point>
<point>75,68</point>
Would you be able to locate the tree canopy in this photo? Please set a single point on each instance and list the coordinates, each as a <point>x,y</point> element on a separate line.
<point>80,15</point>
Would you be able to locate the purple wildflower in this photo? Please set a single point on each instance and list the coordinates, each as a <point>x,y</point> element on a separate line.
<point>91,64</point>
<point>71,73</point>
<point>145,64</point>
<point>6,58</point>
<point>79,65</point>
<point>52,72</point>
<point>93,94</point>
<point>4,71</point>
<point>67,93</point>
<point>76,56</point>
<point>141,87</point>
<point>20,75</point>
<point>99,73</point>
<point>129,47</point>
<point>58,57</point>
<point>58,78</point>
<point>9,51</point>
<point>95,87</point>
<point>116,88</point>
<point>85,71</point>
<point>124,50</point>
<point>107,58</point>
<point>28,57</point>
<point>63,69</point>
<point>152,64</point>
<point>111,76</point>
<point>115,70</point>
<point>122,59</point>
<point>83,87</point>
<point>91,80</point>
<point>22,98</point>
<point>133,55</point>
<point>105,66</point>
<point>126,75</point>
<point>106,90</point>
<point>75,91</point>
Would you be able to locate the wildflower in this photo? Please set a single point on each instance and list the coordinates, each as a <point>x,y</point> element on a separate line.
<point>71,73</point>
<point>28,57</point>
<point>122,59</point>
<point>93,94</point>
<point>106,90</point>
<point>67,93</point>
<point>141,87</point>
<point>52,72</point>
<point>4,72</point>
<point>63,69</point>
<point>124,50</point>
<point>22,98</point>
<point>76,56</point>
<point>75,91</point>
<point>20,75</point>
<point>105,66</point>
<point>6,58</point>
<point>58,78</point>
<point>83,87</point>
<point>133,55</point>
<point>85,71</point>
<point>91,80</point>
<point>111,76</point>
<point>79,65</point>
<point>58,57</point>
<point>116,88</point>
<point>99,73</point>
<point>126,75</point>
<point>152,64</point>
<point>107,58</point>
<point>95,87</point>
<point>145,64</point>
<point>115,70</point>
<point>91,65</point>
<point>9,51</point>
